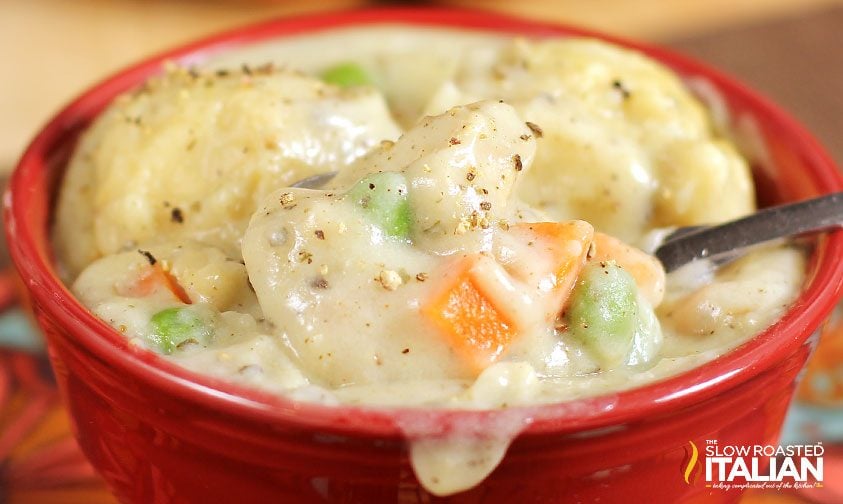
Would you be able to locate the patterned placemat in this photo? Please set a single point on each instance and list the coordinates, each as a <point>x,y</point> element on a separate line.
<point>40,461</point>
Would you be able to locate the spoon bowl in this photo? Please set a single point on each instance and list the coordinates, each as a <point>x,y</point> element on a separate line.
<point>728,239</point>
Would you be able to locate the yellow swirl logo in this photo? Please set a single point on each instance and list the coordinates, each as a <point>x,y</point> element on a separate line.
<point>692,462</point>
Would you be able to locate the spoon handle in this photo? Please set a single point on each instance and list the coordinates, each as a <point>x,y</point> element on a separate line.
<point>767,224</point>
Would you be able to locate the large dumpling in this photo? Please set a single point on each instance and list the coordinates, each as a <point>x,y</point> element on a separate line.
<point>336,272</point>
<point>619,137</point>
<point>192,154</point>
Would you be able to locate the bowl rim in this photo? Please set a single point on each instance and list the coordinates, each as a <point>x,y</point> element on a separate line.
<point>32,257</point>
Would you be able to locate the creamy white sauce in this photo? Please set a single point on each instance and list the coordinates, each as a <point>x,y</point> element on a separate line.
<point>459,461</point>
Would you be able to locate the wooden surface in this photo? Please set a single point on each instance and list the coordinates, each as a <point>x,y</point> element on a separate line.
<point>796,61</point>
<point>52,49</point>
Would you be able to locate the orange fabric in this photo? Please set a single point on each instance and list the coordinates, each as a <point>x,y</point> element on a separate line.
<point>822,384</point>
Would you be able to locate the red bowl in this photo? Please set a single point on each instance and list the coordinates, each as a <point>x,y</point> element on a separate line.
<point>159,433</point>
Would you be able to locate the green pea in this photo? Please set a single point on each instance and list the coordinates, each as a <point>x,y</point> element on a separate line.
<point>383,197</point>
<point>346,75</point>
<point>648,336</point>
<point>603,313</point>
<point>173,327</point>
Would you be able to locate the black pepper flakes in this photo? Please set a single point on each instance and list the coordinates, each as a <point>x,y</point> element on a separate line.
<point>535,129</point>
<point>405,351</point>
<point>454,141</point>
<point>485,205</point>
<point>176,215</point>
<point>287,201</point>
<point>319,283</point>
<point>524,137</point>
<point>421,277</point>
<point>267,68</point>
<point>470,175</point>
<point>621,88</point>
<point>517,160</point>
<point>149,257</point>
<point>319,234</point>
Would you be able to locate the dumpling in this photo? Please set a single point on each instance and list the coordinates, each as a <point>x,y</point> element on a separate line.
<point>621,142</point>
<point>192,154</point>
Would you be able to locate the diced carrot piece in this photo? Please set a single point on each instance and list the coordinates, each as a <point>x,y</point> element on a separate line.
<point>645,269</point>
<point>477,330</point>
<point>560,250</point>
<point>157,277</point>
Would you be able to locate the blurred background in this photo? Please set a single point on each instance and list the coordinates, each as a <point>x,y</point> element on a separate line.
<point>50,50</point>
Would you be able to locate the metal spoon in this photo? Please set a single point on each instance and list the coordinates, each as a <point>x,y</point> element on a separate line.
<point>722,241</point>
<point>315,181</point>
<point>713,242</point>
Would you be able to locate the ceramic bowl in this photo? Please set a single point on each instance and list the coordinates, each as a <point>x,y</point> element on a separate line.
<point>158,433</point>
